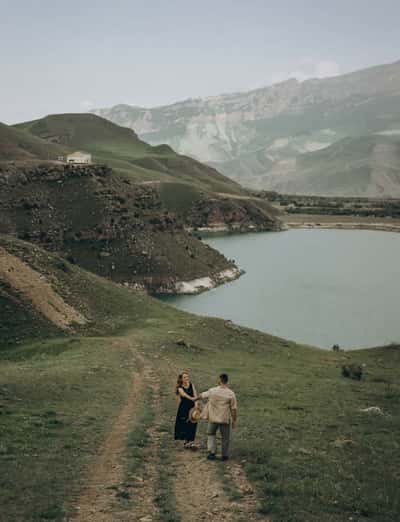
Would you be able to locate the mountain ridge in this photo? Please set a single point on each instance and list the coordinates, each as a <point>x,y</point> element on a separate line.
<point>241,133</point>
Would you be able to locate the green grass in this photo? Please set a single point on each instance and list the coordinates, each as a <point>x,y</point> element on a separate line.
<point>165,493</point>
<point>109,308</point>
<point>179,197</point>
<point>138,438</point>
<point>310,452</point>
<point>121,148</point>
<point>165,497</point>
<point>56,404</point>
<point>296,418</point>
<point>16,144</point>
<point>229,487</point>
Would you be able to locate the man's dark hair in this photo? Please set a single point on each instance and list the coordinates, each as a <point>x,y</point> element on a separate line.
<point>224,378</point>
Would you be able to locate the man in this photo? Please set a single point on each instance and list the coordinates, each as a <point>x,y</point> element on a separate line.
<point>221,413</point>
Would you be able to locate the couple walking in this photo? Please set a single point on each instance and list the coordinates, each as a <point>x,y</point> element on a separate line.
<point>220,411</point>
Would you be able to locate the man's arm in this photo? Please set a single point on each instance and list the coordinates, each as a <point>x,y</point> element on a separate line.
<point>204,395</point>
<point>234,417</point>
<point>234,410</point>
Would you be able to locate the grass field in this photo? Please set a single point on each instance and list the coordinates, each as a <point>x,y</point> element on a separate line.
<point>56,404</point>
<point>308,450</point>
<point>305,443</point>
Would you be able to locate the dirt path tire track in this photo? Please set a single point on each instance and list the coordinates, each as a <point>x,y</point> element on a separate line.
<point>247,507</point>
<point>201,495</point>
<point>97,499</point>
<point>145,508</point>
<point>198,492</point>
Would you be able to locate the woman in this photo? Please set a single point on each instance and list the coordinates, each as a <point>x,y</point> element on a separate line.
<point>184,429</point>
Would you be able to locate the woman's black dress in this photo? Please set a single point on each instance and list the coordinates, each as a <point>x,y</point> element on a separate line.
<point>184,429</point>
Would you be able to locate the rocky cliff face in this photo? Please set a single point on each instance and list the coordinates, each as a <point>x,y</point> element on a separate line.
<point>246,135</point>
<point>103,223</point>
<point>225,213</point>
<point>114,227</point>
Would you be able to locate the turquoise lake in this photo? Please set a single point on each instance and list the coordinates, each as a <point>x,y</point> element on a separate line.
<point>319,287</point>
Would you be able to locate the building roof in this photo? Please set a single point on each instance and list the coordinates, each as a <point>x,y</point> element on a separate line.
<point>78,153</point>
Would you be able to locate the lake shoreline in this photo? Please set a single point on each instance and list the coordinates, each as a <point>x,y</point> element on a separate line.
<point>379,227</point>
<point>302,287</point>
<point>202,284</point>
<point>340,222</point>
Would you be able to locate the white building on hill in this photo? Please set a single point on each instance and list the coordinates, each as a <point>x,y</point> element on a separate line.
<point>79,158</point>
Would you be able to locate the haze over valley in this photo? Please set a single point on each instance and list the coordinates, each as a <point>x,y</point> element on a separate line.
<point>330,136</point>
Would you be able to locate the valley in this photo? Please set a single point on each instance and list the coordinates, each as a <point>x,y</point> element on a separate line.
<point>88,359</point>
<point>199,234</point>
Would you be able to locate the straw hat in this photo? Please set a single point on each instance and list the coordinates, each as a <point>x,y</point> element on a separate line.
<point>194,414</point>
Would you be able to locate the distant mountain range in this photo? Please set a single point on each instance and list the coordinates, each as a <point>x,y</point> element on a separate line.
<point>334,135</point>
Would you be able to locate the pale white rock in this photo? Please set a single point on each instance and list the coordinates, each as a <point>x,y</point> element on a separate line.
<point>372,409</point>
<point>201,284</point>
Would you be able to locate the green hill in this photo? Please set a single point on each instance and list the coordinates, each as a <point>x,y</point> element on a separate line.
<point>43,295</point>
<point>360,166</point>
<point>180,181</point>
<point>128,223</point>
<point>122,150</point>
<point>18,145</point>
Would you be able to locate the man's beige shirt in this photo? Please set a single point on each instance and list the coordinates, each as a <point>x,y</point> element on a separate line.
<point>221,402</point>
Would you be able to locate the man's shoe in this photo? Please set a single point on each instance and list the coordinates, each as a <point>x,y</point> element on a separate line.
<point>211,456</point>
<point>224,458</point>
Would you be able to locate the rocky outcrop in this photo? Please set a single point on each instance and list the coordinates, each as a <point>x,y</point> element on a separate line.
<point>202,284</point>
<point>227,213</point>
<point>13,173</point>
<point>104,223</point>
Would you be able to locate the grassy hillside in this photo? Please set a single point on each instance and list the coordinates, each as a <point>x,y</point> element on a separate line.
<point>24,315</point>
<point>18,145</point>
<point>310,452</point>
<point>121,149</point>
<point>362,166</point>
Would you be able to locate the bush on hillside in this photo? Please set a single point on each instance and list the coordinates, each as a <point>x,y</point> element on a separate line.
<point>353,371</point>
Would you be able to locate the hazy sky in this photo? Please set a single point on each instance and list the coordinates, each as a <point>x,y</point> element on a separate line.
<point>59,56</point>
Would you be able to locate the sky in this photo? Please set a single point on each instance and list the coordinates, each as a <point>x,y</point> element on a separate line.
<point>58,56</point>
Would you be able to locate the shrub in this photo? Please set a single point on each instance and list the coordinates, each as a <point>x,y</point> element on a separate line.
<point>353,371</point>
